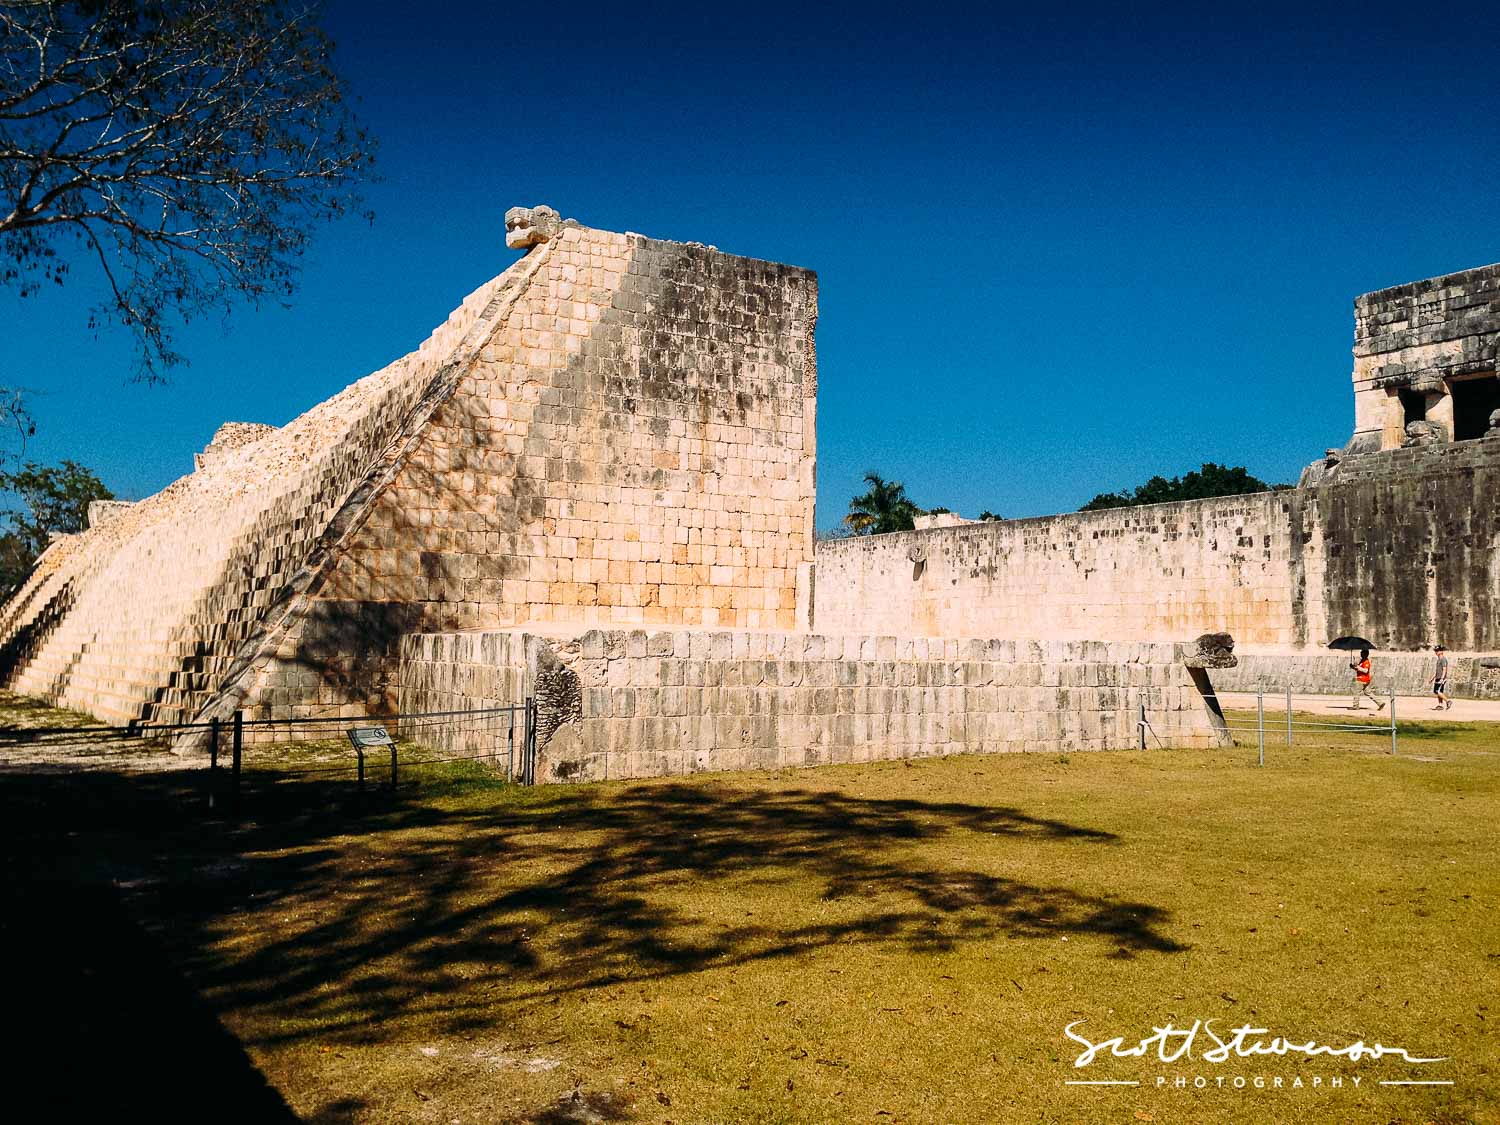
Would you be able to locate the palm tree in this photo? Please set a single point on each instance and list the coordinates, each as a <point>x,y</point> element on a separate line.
<point>884,508</point>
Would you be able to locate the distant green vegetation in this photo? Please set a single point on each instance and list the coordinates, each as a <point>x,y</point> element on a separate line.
<point>885,507</point>
<point>1211,480</point>
<point>54,501</point>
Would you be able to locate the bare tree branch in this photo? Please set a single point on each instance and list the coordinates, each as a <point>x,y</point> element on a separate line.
<point>189,146</point>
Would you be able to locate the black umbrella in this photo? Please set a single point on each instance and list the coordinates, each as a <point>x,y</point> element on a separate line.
<point>1349,644</point>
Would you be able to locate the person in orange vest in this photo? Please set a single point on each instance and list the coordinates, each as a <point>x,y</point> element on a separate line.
<point>1362,683</point>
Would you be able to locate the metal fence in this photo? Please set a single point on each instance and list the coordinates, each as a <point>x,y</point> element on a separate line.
<point>1276,722</point>
<point>242,754</point>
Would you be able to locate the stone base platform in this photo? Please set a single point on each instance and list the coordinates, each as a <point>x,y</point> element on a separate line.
<point>632,703</point>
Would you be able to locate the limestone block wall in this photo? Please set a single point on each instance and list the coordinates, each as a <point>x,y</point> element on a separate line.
<point>101,511</point>
<point>145,615</point>
<point>634,444</point>
<point>616,429</point>
<point>1418,341</point>
<point>637,703</point>
<point>1164,572</point>
<point>1404,549</point>
<point>1401,547</point>
<point>231,435</point>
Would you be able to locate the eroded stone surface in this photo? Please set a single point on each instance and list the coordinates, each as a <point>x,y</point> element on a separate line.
<point>617,430</point>
<point>1414,345</point>
<point>1371,550</point>
<point>1212,650</point>
<point>680,701</point>
<point>1419,434</point>
<point>101,512</point>
<point>526,227</point>
<point>231,436</point>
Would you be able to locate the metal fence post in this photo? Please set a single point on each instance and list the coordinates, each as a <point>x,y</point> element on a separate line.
<point>213,760</point>
<point>528,754</point>
<point>510,746</point>
<point>1140,722</point>
<point>1260,710</point>
<point>238,746</point>
<point>1289,714</point>
<point>1393,719</point>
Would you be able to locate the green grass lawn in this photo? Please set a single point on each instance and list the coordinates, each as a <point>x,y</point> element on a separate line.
<point>901,942</point>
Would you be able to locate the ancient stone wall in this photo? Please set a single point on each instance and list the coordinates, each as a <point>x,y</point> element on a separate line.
<point>1409,549</point>
<point>230,436</point>
<point>620,703</point>
<point>615,430</point>
<point>144,616</point>
<point>634,445</point>
<point>1163,572</point>
<point>102,511</point>
<point>1426,350</point>
<point>1401,547</point>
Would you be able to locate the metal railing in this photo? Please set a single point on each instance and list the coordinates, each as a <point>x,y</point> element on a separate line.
<point>1302,731</point>
<point>502,738</point>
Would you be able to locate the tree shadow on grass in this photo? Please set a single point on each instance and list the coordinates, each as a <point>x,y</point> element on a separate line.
<point>103,1027</point>
<point>427,906</point>
<point>431,913</point>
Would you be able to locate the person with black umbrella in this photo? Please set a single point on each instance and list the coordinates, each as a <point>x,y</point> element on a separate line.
<point>1362,683</point>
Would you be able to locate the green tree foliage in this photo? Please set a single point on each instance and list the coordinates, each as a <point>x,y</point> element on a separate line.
<point>885,507</point>
<point>1211,480</point>
<point>54,500</point>
<point>185,147</point>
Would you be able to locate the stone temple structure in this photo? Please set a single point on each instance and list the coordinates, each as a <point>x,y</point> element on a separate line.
<point>616,430</point>
<point>594,484</point>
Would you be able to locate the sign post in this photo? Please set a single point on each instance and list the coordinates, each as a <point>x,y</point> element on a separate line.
<point>367,738</point>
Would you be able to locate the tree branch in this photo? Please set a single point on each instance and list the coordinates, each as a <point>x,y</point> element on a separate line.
<point>192,143</point>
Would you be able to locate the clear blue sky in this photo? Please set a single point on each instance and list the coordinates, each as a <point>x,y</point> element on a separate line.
<point>1061,247</point>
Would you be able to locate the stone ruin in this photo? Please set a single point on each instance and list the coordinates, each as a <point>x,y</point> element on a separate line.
<point>594,484</point>
<point>1393,536</point>
<point>614,431</point>
<point>229,436</point>
<point>1426,352</point>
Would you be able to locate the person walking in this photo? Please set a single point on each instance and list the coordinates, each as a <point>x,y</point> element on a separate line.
<point>1362,684</point>
<point>1440,679</point>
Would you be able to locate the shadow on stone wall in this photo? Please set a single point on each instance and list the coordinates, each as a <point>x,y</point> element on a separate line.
<point>395,575</point>
<point>23,645</point>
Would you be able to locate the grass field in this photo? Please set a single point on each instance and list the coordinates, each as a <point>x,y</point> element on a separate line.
<point>900,942</point>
